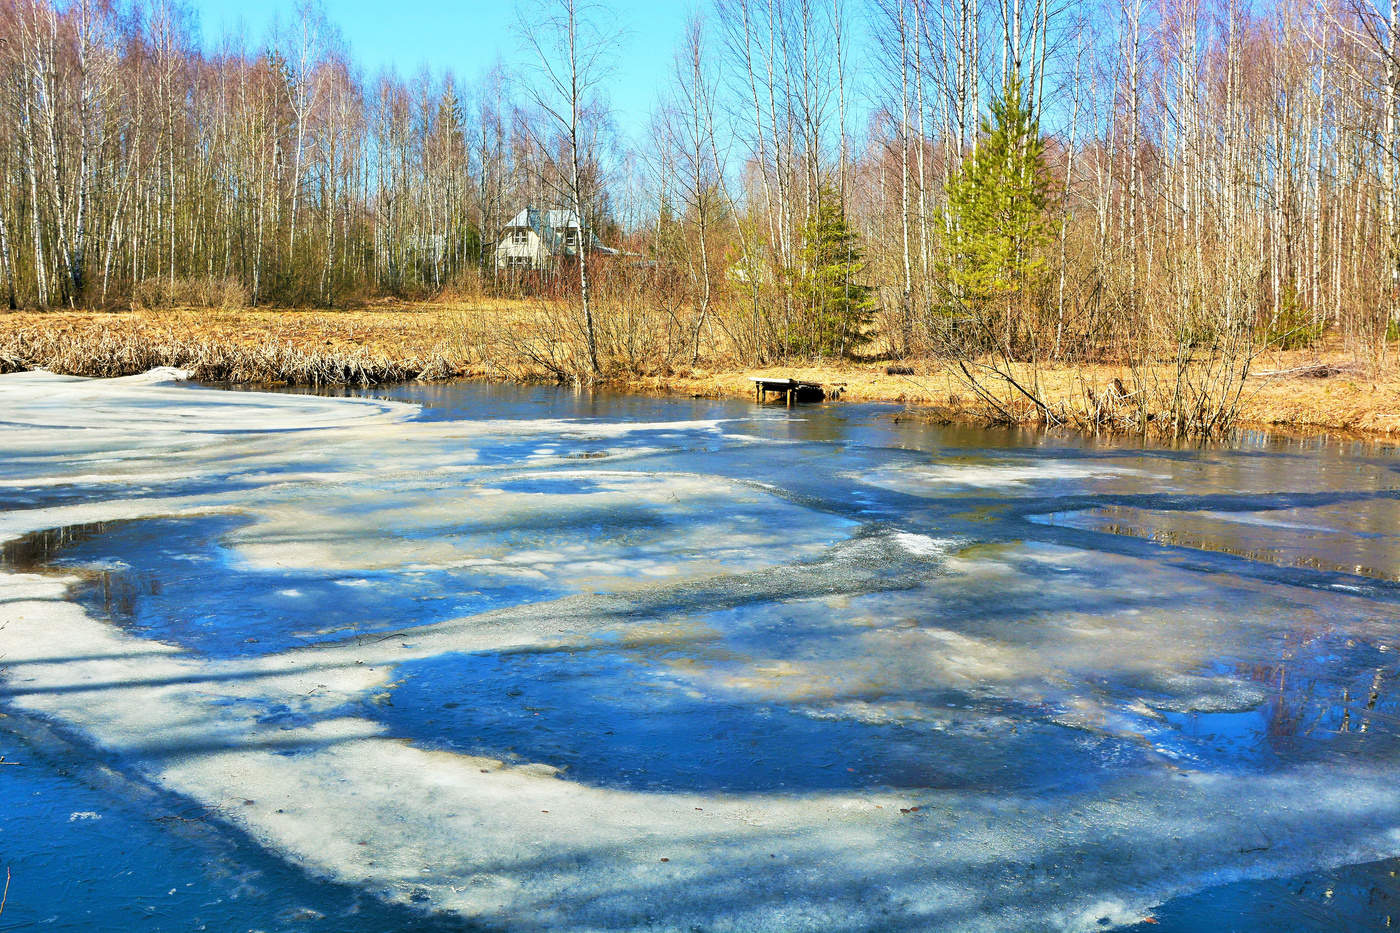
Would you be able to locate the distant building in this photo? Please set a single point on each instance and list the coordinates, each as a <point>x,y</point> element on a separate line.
<point>535,240</point>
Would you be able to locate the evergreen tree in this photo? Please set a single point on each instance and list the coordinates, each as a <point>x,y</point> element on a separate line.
<point>837,307</point>
<point>997,224</point>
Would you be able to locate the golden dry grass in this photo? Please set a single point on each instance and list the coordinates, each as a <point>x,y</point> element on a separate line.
<point>440,340</point>
<point>1353,400</point>
<point>1357,398</point>
<point>254,346</point>
<point>398,331</point>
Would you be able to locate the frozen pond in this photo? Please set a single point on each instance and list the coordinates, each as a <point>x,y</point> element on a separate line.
<point>457,657</point>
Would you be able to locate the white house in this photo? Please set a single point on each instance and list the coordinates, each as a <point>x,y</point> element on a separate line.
<point>536,240</point>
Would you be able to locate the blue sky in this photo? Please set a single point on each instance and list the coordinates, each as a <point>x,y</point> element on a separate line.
<point>467,37</point>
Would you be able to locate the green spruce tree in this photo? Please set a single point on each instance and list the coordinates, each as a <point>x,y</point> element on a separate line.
<point>837,307</point>
<point>996,226</point>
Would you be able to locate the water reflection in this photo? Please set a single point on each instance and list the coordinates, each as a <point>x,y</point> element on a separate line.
<point>1358,536</point>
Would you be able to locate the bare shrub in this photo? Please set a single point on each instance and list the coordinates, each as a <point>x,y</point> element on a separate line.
<point>150,294</point>
<point>222,292</point>
<point>216,291</point>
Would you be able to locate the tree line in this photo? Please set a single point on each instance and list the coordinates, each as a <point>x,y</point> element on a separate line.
<point>1027,178</point>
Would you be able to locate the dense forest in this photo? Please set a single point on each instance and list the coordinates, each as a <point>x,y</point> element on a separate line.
<point>1018,177</point>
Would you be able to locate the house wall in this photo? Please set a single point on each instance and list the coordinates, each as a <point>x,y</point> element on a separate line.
<point>532,250</point>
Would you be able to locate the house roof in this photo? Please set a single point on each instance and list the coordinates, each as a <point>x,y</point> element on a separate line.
<point>548,225</point>
<point>532,217</point>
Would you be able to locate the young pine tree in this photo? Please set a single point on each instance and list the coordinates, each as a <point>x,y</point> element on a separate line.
<point>837,307</point>
<point>997,224</point>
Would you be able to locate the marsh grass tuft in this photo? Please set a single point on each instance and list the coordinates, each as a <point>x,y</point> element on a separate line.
<point>124,353</point>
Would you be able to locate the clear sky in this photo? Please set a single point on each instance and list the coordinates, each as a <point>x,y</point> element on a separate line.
<point>468,36</point>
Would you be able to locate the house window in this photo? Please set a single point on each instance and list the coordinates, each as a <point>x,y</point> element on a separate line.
<point>571,237</point>
<point>520,237</point>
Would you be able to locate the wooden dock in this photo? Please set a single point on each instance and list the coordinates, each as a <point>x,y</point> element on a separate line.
<point>792,390</point>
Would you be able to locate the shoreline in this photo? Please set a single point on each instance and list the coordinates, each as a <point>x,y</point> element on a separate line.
<point>439,342</point>
<point>930,412</point>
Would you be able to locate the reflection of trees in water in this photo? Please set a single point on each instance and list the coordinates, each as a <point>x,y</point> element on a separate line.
<point>1368,711</point>
<point>34,551</point>
<point>1320,688</point>
<point>121,588</point>
<point>1217,542</point>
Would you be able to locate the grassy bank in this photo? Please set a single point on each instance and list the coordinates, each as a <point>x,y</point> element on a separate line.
<point>1302,389</point>
<point>1286,398</point>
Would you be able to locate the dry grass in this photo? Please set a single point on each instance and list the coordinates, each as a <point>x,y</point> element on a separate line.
<point>1352,397</point>
<point>390,342</point>
<point>1348,398</point>
<point>251,346</point>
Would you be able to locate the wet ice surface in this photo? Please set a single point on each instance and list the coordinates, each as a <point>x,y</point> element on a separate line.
<point>89,851</point>
<point>538,659</point>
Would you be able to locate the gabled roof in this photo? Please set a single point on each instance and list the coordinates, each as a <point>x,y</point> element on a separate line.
<point>533,218</point>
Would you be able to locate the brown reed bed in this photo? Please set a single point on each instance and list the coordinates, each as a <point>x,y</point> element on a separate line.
<point>123,354</point>
<point>259,348</point>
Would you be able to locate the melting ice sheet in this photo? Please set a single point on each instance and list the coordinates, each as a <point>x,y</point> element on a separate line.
<point>534,660</point>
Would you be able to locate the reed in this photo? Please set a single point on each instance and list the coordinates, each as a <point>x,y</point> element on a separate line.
<point>125,353</point>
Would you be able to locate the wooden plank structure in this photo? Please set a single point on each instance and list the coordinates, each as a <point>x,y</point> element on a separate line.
<point>792,390</point>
